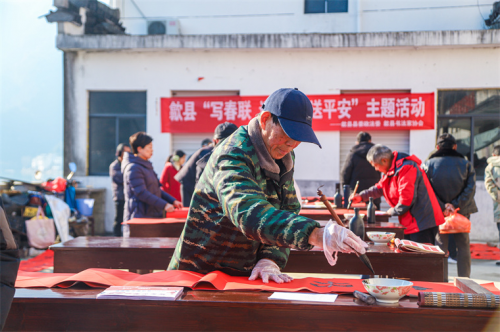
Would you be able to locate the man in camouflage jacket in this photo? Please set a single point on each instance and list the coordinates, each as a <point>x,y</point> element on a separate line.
<point>244,211</point>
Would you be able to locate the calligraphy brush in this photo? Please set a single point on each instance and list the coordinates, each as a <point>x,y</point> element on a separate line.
<point>362,257</point>
<point>354,193</point>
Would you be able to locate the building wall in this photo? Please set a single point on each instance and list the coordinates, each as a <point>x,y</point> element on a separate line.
<point>261,71</point>
<point>287,16</point>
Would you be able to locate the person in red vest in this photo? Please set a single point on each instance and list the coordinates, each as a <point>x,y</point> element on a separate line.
<point>172,166</point>
<point>408,191</point>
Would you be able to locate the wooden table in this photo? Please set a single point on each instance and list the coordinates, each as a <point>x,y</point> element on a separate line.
<point>379,227</point>
<point>155,253</point>
<point>77,309</point>
<point>172,227</point>
<point>324,214</point>
<point>167,227</point>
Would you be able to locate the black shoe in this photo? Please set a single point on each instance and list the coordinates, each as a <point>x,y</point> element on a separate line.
<point>497,263</point>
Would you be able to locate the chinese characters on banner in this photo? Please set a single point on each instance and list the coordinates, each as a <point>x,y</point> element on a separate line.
<point>330,112</point>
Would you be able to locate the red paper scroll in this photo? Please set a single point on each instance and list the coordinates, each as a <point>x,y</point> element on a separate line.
<point>330,112</point>
<point>103,278</point>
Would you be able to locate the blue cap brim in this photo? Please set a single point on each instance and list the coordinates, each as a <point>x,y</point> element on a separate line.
<point>299,131</point>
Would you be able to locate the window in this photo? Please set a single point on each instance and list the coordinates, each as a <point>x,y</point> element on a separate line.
<point>325,6</point>
<point>473,118</point>
<point>113,117</point>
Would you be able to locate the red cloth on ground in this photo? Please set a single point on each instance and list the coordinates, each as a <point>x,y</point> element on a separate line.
<point>40,262</point>
<point>482,251</point>
<point>168,183</point>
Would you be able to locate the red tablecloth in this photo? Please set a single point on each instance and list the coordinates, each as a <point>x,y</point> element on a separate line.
<point>306,212</point>
<point>142,221</point>
<point>312,199</point>
<point>182,213</point>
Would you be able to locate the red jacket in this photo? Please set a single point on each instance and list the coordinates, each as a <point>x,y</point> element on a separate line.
<point>168,183</point>
<point>408,191</point>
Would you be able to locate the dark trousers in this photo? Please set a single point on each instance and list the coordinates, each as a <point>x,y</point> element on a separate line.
<point>463,251</point>
<point>117,228</point>
<point>9,265</point>
<point>425,236</point>
<point>452,246</point>
<point>498,226</point>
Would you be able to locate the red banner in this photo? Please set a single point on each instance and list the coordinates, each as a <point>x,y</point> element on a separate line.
<point>330,112</point>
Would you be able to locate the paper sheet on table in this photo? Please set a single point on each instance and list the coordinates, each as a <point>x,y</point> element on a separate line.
<point>309,297</point>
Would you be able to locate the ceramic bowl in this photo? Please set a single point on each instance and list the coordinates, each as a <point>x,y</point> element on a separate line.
<point>380,237</point>
<point>387,290</point>
<point>349,216</point>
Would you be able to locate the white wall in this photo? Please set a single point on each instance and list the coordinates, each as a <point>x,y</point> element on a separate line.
<point>325,164</point>
<point>287,16</point>
<point>260,72</point>
<point>483,227</point>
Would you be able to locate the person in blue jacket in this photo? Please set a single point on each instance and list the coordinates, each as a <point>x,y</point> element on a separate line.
<point>143,196</point>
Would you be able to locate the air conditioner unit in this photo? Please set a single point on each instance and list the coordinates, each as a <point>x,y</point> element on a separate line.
<point>157,27</point>
<point>172,27</point>
<point>167,27</point>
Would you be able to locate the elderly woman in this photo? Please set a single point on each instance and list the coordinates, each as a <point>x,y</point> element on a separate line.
<point>407,190</point>
<point>143,196</point>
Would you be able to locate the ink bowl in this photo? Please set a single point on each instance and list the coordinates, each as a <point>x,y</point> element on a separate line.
<point>387,290</point>
<point>380,237</point>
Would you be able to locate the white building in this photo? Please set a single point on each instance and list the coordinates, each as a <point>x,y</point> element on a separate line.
<point>114,83</point>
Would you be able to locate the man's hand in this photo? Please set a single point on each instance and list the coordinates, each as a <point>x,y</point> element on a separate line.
<point>265,269</point>
<point>178,205</point>
<point>355,198</point>
<point>335,238</point>
<point>448,209</point>
<point>169,208</point>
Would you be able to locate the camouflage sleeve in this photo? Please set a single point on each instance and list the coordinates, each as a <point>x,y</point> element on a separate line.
<point>277,254</point>
<point>292,200</point>
<point>293,203</point>
<point>244,202</point>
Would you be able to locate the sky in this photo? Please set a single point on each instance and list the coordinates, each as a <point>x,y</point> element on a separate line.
<point>31,91</point>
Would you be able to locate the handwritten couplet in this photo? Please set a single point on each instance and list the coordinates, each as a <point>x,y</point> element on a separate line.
<point>330,112</point>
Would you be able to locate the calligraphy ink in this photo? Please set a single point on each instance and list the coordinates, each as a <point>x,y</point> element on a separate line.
<point>356,225</point>
<point>371,212</point>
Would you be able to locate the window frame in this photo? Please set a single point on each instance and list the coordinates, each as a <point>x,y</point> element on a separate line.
<point>117,118</point>
<point>325,11</point>
<point>468,116</point>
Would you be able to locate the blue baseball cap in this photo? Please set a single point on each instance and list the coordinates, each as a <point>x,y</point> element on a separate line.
<point>295,113</point>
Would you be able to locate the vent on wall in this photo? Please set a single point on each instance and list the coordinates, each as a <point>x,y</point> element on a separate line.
<point>167,27</point>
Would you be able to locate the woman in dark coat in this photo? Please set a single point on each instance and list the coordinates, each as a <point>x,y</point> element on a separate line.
<point>143,196</point>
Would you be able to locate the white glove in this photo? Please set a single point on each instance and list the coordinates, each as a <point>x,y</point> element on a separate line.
<point>337,238</point>
<point>169,207</point>
<point>266,268</point>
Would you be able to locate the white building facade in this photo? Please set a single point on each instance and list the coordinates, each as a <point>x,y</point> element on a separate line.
<point>114,83</point>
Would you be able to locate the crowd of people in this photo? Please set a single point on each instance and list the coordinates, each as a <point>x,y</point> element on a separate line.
<point>137,191</point>
<point>243,215</point>
<point>419,193</point>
